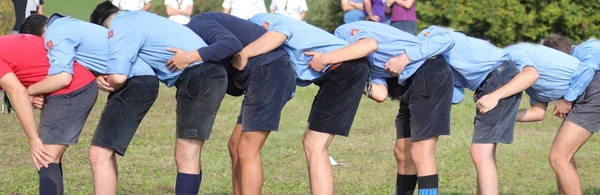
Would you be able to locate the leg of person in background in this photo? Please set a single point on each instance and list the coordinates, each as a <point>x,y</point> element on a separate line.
<point>235,171</point>
<point>568,140</point>
<point>406,180</point>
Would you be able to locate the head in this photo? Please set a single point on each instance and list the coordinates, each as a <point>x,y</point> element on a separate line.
<point>35,24</point>
<point>558,42</point>
<point>103,13</point>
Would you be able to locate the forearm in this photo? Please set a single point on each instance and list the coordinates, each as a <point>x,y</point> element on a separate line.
<point>358,6</point>
<point>356,50</point>
<point>187,11</point>
<point>22,105</point>
<point>50,84</point>
<point>379,92</point>
<point>368,7</point>
<point>147,6</point>
<point>533,114</point>
<point>406,4</point>
<point>519,83</point>
<point>302,15</point>
<point>265,43</point>
<point>41,9</point>
<point>346,6</point>
<point>116,81</point>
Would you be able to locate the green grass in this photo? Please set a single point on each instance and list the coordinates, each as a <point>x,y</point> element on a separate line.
<point>149,168</point>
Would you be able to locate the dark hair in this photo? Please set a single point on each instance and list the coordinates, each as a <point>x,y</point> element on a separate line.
<point>102,12</point>
<point>395,90</point>
<point>34,24</point>
<point>558,42</point>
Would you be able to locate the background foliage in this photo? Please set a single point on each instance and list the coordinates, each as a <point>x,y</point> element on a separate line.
<point>7,17</point>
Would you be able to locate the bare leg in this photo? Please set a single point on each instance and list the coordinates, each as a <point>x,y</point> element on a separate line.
<point>187,155</point>
<point>406,166</point>
<point>423,155</point>
<point>484,158</point>
<point>104,170</point>
<point>569,139</point>
<point>319,169</point>
<point>250,163</point>
<point>233,144</point>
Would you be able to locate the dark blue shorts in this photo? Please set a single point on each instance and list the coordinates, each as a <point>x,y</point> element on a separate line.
<point>497,125</point>
<point>340,92</point>
<point>124,112</point>
<point>266,91</point>
<point>425,105</point>
<point>586,109</point>
<point>406,26</point>
<point>200,90</point>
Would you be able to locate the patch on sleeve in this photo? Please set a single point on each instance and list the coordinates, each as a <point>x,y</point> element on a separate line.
<point>354,31</point>
<point>426,33</point>
<point>266,25</point>
<point>110,34</point>
<point>49,44</point>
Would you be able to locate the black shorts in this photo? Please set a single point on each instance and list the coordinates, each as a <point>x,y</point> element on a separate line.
<point>586,109</point>
<point>200,90</point>
<point>124,111</point>
<point>266,91</point>
<point>425,105</point>
<point>497,125</point>
<point>335,104</point>
<point>64,115</point>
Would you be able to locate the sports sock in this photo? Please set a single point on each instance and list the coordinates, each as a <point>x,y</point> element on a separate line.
<point>51,180</point>
<point>428,185</point>
<point>188,184</point>
<point>405,184</point>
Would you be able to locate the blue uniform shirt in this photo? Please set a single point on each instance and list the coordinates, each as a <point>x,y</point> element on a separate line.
<point>301,37</point>
<point>69,39</point>
<point>147,35</point>
<point>561,75</point>
<point>588,52</point>
<point>391,42</point>
<point>471,59</point>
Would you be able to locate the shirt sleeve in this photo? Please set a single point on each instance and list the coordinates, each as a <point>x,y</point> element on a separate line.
<point>4,68</point>
<point>124,44</point>
<point>520,58</point>
<point>221,42</point>
<point>61,53</point>
<point>458,95</point>
<point>274,24</point>
<point>351,35</point>
<point>433,43</point>
<point>226,4</point>
<point>303,6</point>
<point>582,78</point>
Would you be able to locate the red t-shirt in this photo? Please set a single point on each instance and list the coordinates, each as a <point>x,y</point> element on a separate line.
<point>26,57</point>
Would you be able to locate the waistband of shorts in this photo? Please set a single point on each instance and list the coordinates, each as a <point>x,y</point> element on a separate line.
<point>506,65</point>
<point>142,79</point>
<point>77,91</point>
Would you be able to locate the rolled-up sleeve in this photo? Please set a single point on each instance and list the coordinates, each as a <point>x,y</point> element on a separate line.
<point>124,45</point>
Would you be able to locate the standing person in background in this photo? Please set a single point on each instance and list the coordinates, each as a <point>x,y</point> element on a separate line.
<point>39,7</point>
<point>404,15</point>
<point>179,10</point>
<point>20,14</point>
<point>293,8</point>
<point>133,5</point>
<point>244,9</point>
<point>374,10</point>
<point>352,10</point>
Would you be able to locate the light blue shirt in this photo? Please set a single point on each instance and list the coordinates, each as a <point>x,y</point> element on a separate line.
<point>301,37</point>
<point>69,39</point>
<point>471,59</point>
<point>560,75</point>
<point>588,52</point>
<point>391,42</point>
<point>141,34</point>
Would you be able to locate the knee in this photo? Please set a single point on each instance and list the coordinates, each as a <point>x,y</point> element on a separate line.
<point>401,155</point>
<point>421,155</point>
<point>480,156</point>
<point>184,156</point>
<point>311,146</point>
<point>232,145</point>
<point>556,160</point>
<point>97,156</point>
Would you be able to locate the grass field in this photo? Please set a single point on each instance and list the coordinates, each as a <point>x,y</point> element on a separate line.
<point>149,168</point>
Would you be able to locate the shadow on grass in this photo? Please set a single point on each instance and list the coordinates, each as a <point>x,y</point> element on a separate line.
<point>590,191</point>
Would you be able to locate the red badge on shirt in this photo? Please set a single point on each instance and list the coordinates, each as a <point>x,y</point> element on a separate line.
<point>354,31</point>
<point>266,25</point>
<point>50,44</point>
<point>110,34</point>
<point>426,34</point>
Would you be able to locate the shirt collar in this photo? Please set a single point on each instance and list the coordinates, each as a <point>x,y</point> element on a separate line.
<point>54,17</point>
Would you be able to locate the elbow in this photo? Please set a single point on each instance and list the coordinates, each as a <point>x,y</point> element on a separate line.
<point>117,79</point>
<point>378,98</point>
<point>539,116</point>
<point>371,44</point>
<point>65,81</point>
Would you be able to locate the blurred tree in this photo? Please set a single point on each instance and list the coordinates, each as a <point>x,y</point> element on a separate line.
<point>7,17</point>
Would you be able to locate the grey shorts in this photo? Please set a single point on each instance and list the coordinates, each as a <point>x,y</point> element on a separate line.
<point>123,113</point>
<point>200,90</point>
<point>266,91</point>
<point>64,115</point>
<point>497,125</point>
<point>586,109</point>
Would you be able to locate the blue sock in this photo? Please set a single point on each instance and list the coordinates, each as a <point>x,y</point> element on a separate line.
<point>187,184</point>
<point>51,180</point>
<point>428,185</point>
